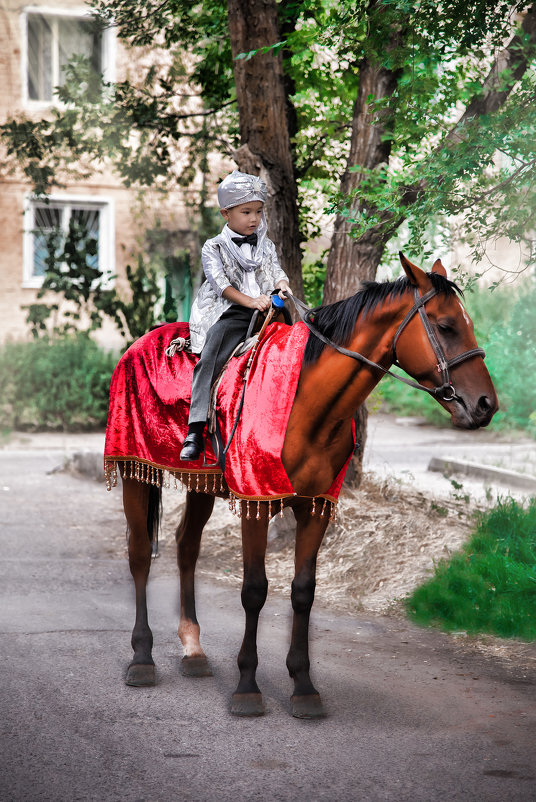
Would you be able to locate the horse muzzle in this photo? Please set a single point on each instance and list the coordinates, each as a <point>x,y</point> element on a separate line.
<point>466,415</point>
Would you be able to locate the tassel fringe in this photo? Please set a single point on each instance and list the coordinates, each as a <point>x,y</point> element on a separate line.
<point>205,482</point>
<point>200,481</point>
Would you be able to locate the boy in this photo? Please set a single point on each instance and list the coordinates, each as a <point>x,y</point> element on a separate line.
<point>241,269</point>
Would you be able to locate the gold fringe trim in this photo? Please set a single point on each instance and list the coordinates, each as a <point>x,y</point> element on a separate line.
<point>200,480</point>
<point>249,507</point>
<point>203,481</point>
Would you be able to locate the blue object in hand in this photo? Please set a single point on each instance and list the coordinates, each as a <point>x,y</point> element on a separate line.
<point>277,301</point>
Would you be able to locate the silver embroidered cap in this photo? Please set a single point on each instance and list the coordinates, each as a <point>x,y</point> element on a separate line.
<point>239,188</point>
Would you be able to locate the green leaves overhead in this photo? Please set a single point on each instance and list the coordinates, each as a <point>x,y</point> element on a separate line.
<point>158,126</point>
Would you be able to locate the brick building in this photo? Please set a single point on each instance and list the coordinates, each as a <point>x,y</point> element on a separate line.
<point>35,44</point>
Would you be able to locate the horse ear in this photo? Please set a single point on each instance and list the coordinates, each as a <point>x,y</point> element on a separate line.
<point>416,276</point>
<point>437,267</point>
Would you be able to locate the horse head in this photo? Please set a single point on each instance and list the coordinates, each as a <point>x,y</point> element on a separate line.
<point>437,346</point>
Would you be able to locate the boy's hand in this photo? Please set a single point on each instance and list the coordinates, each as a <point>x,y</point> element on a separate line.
<point>283,287</point>
<point>262,303</point>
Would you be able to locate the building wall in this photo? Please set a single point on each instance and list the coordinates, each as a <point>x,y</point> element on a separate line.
<point>127,221</point>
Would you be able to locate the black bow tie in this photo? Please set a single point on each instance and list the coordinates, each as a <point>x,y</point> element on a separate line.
<point>251,239</point>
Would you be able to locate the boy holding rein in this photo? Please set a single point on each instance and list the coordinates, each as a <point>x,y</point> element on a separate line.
<point>242,270</point>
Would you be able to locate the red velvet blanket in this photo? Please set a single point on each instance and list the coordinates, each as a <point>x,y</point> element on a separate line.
<point>148,414</point>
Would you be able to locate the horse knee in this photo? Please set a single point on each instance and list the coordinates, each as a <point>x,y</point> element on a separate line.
<point>254,592</point>
<point>303,594</point>
<point>187,552</point>
<point>139,557</point>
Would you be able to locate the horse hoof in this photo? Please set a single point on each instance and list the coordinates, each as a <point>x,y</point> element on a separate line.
<point>196,666</point>
<point>140,675</point>
<point>307,706</point>
<point>247,704</point>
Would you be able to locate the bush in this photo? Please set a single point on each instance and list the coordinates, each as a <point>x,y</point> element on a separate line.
<point>490,586</point>
<point>511,359</point>
<point>314,275</point>
<point>55,383</point>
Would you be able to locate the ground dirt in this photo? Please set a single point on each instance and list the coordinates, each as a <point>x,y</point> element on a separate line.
<point>385,540</point>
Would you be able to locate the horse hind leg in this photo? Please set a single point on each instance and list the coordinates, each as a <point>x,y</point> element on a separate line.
<point>197,511</point>
<point>141,503</point>
<point>305,701</point>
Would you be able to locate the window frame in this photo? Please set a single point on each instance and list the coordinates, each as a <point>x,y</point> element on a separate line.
<point>108,51</point>
<point>105,205</point>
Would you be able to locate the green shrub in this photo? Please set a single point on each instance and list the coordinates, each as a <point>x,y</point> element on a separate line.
<point>490,586</point>
<point>314,275</point>
<point>54,383</point>
<point>511,359</point>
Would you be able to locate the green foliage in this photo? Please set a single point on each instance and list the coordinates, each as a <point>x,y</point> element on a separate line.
<point>72,271</point>
<point>94,127</point>
<point>482,171</point>
<point>136,316</point>
<point>314,274</point>
<point>153,132</point>
<point>511,359</point>
<point>55,383</point>
<point>490,586</point>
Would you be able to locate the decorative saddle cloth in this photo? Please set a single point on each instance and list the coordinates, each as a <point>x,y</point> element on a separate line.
<point>148,415</point>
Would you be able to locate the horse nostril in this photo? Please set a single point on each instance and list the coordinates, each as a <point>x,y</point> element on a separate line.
<point>484,404</point>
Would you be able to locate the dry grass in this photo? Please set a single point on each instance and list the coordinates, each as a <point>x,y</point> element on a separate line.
<point>383,544</point>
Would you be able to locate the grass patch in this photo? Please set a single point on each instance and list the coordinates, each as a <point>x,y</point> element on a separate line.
<point>490,586</point>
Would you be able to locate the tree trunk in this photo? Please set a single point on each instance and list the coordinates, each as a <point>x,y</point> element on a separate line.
<point>264,132</point>
<point>352,261</point>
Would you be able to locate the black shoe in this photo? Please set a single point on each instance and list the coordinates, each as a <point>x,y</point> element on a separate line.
<point>192,448</point>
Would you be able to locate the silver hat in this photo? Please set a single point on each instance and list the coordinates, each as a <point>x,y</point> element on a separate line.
<point>239,188</point>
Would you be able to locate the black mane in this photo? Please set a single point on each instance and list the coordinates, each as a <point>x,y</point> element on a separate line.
<point>337,321</point>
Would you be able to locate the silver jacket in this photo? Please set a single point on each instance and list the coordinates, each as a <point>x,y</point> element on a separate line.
<point>223,269</point>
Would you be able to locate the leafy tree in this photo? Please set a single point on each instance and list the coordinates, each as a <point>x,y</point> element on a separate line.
<point>391,110</point>
<point>304,93</point>
<point>413,156</point>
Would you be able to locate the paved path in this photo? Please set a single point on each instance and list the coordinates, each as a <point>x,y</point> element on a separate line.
<point>413,715</point>
<point>403,448</point>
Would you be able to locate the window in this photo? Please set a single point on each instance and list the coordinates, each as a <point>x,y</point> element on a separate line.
<point>89,219</point>
<point>51,41</point>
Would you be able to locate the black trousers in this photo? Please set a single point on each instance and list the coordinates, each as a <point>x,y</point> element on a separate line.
<point>222,338</point>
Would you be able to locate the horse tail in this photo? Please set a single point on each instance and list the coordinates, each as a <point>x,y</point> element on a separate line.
<point>154,512</point>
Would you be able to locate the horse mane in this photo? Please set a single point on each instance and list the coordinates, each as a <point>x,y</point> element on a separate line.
<point>337,321</point>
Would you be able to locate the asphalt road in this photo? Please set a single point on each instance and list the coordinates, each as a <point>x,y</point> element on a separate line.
<point>402,449</point>
<point>413,715</point>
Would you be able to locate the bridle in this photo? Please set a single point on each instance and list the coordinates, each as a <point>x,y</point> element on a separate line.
<point>446,391</point>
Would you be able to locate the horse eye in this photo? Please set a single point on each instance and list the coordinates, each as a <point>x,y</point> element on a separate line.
<point>445,328</point>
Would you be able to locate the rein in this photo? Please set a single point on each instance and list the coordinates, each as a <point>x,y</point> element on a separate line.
<point>446,391</point>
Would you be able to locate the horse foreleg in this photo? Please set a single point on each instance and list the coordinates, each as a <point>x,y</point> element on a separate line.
<point>136,496</point>
<point>247,699</point>
<point>197,511</point>
<point>305,701</point>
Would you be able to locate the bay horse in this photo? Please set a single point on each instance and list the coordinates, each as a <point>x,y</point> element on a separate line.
<point>417,322</point>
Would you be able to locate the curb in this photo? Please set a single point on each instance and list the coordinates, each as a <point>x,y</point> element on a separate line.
<point>448,465</point>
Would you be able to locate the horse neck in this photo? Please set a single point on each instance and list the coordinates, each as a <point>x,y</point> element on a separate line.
<point>318,439</point>
<point>337,384</point>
